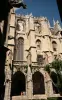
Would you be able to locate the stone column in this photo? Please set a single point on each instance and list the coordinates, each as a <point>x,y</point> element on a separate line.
<point>7,87</point>
<point>29,78</point>
<point>8,76</point>
<point>9,57</point>
<point>27,24</point>
<point>48,82</point>
<point>31,22</point>
<point>29,84</point>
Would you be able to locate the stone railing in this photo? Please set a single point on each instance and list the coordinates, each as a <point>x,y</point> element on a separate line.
<point>19,63</point>
<point>36,64</point>
<point>34,97</point>
<point>19,97</point>
<point>24,63</point>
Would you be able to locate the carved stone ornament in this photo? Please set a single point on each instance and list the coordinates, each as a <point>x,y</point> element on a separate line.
<point>23,69</point>
<point>21,25</point>
<point>17,3</point>
<point>35,69</point>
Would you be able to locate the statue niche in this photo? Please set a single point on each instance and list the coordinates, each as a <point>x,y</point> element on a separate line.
<point>37,27</point>
<point>20,26</point>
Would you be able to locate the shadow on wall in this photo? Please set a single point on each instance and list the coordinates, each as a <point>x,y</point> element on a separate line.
<point>3,16</point>
<point>2,73</point>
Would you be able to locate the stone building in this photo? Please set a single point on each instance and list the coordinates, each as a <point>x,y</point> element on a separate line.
<point>32,44</point>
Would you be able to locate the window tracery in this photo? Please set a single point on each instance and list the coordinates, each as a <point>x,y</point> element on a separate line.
<point>19,49</point>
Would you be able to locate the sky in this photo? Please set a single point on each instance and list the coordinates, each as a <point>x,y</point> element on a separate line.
<point>46,8</point>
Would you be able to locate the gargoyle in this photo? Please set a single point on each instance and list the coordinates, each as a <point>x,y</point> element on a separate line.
<point>17,3</point>
<point>6,5</point>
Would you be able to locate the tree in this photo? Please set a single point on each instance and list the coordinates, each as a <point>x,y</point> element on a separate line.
<point>55,71</point>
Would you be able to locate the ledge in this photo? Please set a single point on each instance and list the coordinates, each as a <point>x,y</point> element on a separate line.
<point>19,63</point>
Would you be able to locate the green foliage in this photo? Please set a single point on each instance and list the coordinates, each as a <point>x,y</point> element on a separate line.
<point>47,68</point>
<point>57,65</point>
<point>56,74</point>
<point>53,98</point>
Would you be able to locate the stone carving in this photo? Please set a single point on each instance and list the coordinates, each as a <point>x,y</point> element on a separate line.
<point>37,28</point>
<point>23,69</point>
<point>35,69</point>
<point>21,25</point>
<point>8,76</point>
<point>17,3</point>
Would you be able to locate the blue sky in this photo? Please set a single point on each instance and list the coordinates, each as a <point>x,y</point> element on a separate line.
<point>46,8</point>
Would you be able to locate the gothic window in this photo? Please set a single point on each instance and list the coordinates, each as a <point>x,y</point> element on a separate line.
<point>38,44</point>
<point>54,46</point>
<point>38,83</point>
<point>18,84</point>
<point>20,48</point>
<point>40,59</point>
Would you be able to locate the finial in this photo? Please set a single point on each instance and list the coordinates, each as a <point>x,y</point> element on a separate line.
<point>57,22</point>
<point>53,21</point>
<point>31,15</point>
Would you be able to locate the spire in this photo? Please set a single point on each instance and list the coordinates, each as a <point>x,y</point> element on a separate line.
<point>57,27</point>
<point>53,21</point>
<point>57,22</point>
<point>31,14</point>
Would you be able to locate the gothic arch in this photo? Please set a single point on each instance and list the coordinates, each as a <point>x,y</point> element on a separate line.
<point>38,44</point>
<point>18,84</point>
<point>22,69</point>
<point>54,44</point>
<point>38,83</point>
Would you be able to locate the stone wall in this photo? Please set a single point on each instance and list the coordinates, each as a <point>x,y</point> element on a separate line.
<point>32,30</point>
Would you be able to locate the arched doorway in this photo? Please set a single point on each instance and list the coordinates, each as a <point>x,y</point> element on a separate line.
<point>38,83</point>
<point>18,84</point>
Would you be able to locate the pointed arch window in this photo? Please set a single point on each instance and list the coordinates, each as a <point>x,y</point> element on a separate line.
<point>54,46</point>
<point>20,48</point>
<point>38,44</point>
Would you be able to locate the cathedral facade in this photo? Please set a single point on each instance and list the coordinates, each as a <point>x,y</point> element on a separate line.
<point>32,44</point>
